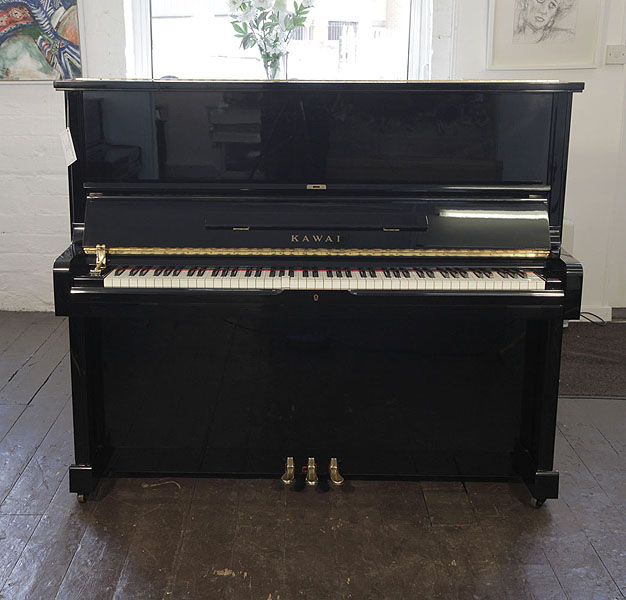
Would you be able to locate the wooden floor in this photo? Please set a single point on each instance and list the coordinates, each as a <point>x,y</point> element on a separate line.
<point>252,539</point>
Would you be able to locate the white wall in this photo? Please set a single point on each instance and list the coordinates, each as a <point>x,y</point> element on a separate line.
<point>34,222</point>
<point>34,204</point>
<point>596,182</point>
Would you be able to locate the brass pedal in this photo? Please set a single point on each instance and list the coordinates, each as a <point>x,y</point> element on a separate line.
<point>333,470</point>
<point>289,476</point>
<point>311,472</point>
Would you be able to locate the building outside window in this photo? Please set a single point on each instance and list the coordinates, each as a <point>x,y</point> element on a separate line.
<point>342,39</point>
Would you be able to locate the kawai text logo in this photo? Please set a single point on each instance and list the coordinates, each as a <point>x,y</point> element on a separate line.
<point>298,238</point>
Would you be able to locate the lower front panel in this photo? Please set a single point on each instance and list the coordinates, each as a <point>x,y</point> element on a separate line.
<point>399,393</point>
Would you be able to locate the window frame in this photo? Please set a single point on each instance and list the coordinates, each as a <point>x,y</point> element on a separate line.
<point>138,25</point>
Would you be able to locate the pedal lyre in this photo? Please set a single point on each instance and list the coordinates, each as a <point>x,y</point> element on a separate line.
<point>289,476</point>
<point>333,470</point>
<point>311,472</point>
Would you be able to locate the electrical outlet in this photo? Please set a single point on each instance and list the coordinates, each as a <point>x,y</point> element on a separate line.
<point>616,55</point>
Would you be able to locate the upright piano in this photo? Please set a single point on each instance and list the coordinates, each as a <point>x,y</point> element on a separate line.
<point>271,278</point>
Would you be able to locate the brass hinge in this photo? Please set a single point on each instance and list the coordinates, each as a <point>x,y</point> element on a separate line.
<point>101,260</point>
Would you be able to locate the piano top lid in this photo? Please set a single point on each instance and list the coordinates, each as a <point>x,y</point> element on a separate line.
<point>548,85</point>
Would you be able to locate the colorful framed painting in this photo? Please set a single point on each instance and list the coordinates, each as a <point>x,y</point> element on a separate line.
<point>39,40</point>
<point>543,34</point>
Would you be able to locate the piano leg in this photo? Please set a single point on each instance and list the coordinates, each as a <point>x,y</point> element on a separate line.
<point>536,453</point>
<point>85,344</point>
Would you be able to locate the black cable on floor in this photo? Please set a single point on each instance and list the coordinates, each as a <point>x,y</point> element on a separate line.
<point>600,321</point>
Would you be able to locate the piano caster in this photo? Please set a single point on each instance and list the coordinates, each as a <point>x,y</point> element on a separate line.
<point>333,470</point>
<point>82,498</point>
<point>311,472</point>
<point>539,502</point>
<point>289,476</point>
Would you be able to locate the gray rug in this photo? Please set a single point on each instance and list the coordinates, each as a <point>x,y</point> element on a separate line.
<point>594,360</point>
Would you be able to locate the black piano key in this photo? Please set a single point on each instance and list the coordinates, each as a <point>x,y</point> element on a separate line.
<point>395,272</point>
<point>523,274</point>
<point>225,271</point>
<point>386,272</point>
<point>348,273</point>
<point>339,273</point>
<point>454,273</point>
<point>405,273</point>
<point>248,271</point>
<point>281,272</point>
<point>372,272</point>
<point>201,271</point>
<point>329,272</point>
<point>463,273</point>
<point>272,272</point>
<point>430,274</point>
<point>168,271</point>
<point>191,271</point>
<point>420,273</point>
<point>134,271</point>
<point>362,273</point>
<point>258,272</point>
<point>315,273</point>
<point>305,272</point>
<point>479,274</point>
<point>292,273</point>
<point>234,272</point>
<point>176,272</point>
<point>215,272</point>
<point>119,271</point>
<point>445,273</point>
<point>158,271</point>
<point>144,271</point>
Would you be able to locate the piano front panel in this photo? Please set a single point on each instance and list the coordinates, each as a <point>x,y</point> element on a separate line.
<point>390,392</point>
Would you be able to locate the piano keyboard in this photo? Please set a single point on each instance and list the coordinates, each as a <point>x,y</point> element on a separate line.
<point>365,278</point>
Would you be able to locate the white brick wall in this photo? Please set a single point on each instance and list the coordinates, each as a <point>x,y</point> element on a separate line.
<point>34,200</point>
<point>34,204</point>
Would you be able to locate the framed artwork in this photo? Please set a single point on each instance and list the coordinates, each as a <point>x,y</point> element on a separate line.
<point>543,34</point>
<point>39,40</point>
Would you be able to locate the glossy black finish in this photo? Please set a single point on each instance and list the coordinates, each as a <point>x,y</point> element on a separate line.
<point>330,222</point>
<point>288,135</point>
<point>396,384</point>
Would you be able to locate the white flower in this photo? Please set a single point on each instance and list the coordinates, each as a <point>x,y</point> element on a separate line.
<point>234,5</point>
<point>308,3</point>
<point>281,6</point>
<point>248,13</point>
<point>263,4</point>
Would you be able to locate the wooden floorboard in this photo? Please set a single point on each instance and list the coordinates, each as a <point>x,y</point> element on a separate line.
<point>24,438</point>
<point>246,539</point>
<point>34,373</point>
<point>44,561</point>
<point>36,330</point>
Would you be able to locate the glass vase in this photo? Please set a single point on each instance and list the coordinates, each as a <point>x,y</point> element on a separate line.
<point>276,68</point>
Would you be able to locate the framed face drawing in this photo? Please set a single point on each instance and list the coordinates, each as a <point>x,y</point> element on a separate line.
<point>543,34</point>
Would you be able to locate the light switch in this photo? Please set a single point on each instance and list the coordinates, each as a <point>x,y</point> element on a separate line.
<point>616,55</point>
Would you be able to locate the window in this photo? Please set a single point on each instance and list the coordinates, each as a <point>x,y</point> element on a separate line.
<point>341,29</point>
<point>341,39</point>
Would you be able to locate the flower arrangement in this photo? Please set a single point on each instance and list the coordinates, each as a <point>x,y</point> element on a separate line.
<point>268,25</point>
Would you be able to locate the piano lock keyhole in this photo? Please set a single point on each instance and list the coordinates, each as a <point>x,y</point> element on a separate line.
<point>316,297</point>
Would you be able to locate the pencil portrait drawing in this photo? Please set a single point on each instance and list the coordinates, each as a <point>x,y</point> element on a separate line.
<point>544,21</point>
